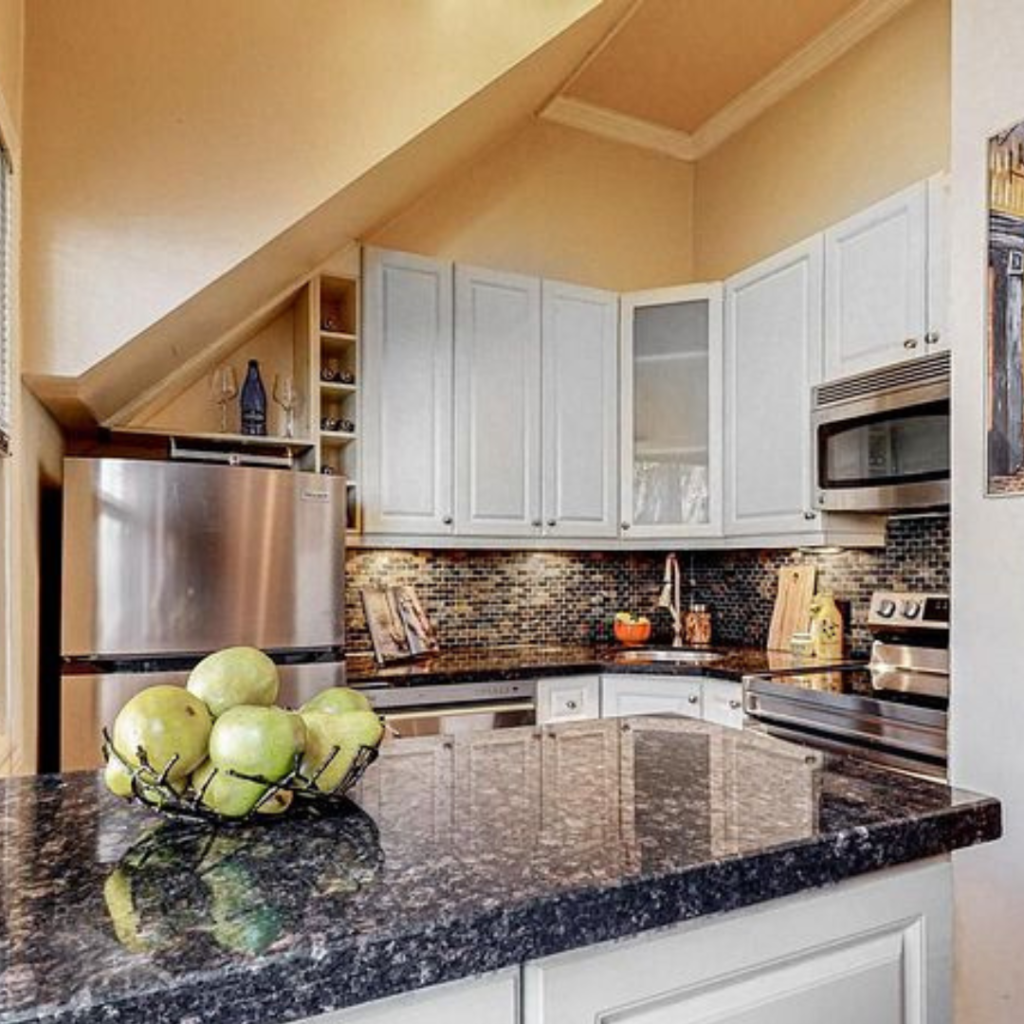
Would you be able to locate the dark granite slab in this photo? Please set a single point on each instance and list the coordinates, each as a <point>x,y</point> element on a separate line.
<point>470,854</point>
<point>471,664</point>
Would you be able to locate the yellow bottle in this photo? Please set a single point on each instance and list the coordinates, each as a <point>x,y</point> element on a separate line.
<point>826,627</point>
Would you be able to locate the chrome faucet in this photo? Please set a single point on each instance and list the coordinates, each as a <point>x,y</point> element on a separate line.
<point>671,597</point>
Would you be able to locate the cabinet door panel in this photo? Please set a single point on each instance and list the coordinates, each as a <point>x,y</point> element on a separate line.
<point>580,410</point>
<point>568,699</point>
<point>772,358</point>
<point>723,702</point>
<point>407,386</point>
<point>497,403</point>
<point>876,285</point>
<point>650,695</point>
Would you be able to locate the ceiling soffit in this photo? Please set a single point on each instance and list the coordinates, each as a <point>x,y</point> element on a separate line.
<point>621,119</point>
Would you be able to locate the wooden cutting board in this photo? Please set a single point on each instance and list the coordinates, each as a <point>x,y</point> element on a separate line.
<point>792,612</point>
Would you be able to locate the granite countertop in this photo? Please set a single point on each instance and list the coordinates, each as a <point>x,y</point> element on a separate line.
<point>469,664</point>
<point>456,864</point>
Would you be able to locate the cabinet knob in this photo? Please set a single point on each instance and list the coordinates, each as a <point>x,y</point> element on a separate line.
<point>692,699</point>
<point>932,338</point>
<point>552,522</point>
<point>808,514</point>
<point>910,343</point>
<point>735,704</point>
<point>624,526</point>
<point>571,705</point>
<point>447,520</point>
<point>536,524</point>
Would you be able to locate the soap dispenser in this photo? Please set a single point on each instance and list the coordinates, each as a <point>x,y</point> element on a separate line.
<point>826,627</point>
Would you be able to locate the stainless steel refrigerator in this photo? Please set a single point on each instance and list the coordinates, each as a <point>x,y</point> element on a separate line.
<point>164,562</point>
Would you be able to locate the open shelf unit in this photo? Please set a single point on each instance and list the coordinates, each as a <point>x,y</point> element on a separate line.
<point>308,332</point>
<point>337,371</point>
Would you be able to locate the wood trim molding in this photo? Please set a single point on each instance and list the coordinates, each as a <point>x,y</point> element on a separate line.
<point>828,46</point>
<point>610,124</point>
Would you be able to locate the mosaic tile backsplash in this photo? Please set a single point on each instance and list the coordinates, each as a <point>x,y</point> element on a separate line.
<point>502,598</point>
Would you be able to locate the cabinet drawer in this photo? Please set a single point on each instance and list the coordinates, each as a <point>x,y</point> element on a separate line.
<point>723,702</point>
<point>568,698</point>
<point>650,695</point>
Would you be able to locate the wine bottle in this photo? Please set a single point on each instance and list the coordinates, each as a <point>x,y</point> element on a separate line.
<point>254,402</point>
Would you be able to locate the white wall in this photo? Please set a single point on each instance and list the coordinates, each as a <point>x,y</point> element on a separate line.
<point>988,541</point>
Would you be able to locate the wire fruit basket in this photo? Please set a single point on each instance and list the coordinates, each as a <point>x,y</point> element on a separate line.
<point>177,799</point>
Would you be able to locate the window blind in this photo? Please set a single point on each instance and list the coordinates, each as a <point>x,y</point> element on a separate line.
<point>6,341</point>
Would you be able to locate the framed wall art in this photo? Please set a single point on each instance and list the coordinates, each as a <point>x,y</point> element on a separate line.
<point>1004,364</point>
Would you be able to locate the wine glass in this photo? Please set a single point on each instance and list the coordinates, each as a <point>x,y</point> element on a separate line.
<point>224,387</point>
<point>286,396</point>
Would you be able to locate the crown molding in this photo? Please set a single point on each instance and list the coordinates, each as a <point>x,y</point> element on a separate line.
<point>610,124</point>
<point>857,24</point>
<point>840,37</point>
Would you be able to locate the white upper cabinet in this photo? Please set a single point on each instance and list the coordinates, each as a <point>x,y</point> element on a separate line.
<point>407,394</point>
<point>876,285</point>
<point>773,338</point>
<point>497,403</point>
<point>936,337</point>
<point>580,385</point>
<point>671,398</point>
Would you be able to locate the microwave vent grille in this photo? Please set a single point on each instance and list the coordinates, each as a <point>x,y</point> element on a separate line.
<point>934,369</point>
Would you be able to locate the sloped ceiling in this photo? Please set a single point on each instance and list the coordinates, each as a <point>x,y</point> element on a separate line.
<point>391,183</point>
<point>678,62</point>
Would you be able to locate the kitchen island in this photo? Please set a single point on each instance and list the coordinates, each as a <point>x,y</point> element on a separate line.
<point>550,874</point>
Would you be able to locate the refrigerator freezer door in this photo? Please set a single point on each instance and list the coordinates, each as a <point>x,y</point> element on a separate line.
<point>180,558</point>
<point>90,702</point>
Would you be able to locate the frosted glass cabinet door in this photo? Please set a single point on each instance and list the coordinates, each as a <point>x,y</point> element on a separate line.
<point>672,412</point>
<point>407,394</point>
<point>497,403</point>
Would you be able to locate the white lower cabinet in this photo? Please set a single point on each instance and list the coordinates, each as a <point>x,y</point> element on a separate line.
<point>493,998</point>
<point>723,702</point>
<point>568,698</point>
<point>875,949</point>
<point>650,695</point>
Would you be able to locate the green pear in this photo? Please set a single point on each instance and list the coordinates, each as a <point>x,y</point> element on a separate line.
<point>348,733</point>
<point>118,777</point>
<point>226,794</point>
<point>276,803</point>
<point>233,676</point>
<point>256,741</point>
<point>164,721</point>
<point>338,700</point>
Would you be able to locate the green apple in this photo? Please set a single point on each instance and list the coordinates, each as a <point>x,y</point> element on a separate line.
<point>256,741</point>
<point>235,675</point>
<point>164,721</point>
<point>347,732</point>
<point>338,700</point>
<point>226,794</point>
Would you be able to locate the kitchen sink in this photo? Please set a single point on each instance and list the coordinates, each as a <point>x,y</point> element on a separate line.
<point>676,655</point>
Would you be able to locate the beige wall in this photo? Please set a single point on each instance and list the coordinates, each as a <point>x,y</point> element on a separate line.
<point>864,127</point>
<point>988,540</point>
<point>12,25</point>
<point>167,142</point>
<point>558,203</point>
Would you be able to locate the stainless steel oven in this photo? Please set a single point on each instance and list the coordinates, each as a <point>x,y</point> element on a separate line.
<point>881,439</point>
<point>893,709</point>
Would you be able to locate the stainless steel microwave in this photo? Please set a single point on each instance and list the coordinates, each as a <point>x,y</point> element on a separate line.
<point>881,438</point>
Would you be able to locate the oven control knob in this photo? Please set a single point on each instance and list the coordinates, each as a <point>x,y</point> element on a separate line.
<point>911,609</point>
<point>886,609</point>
